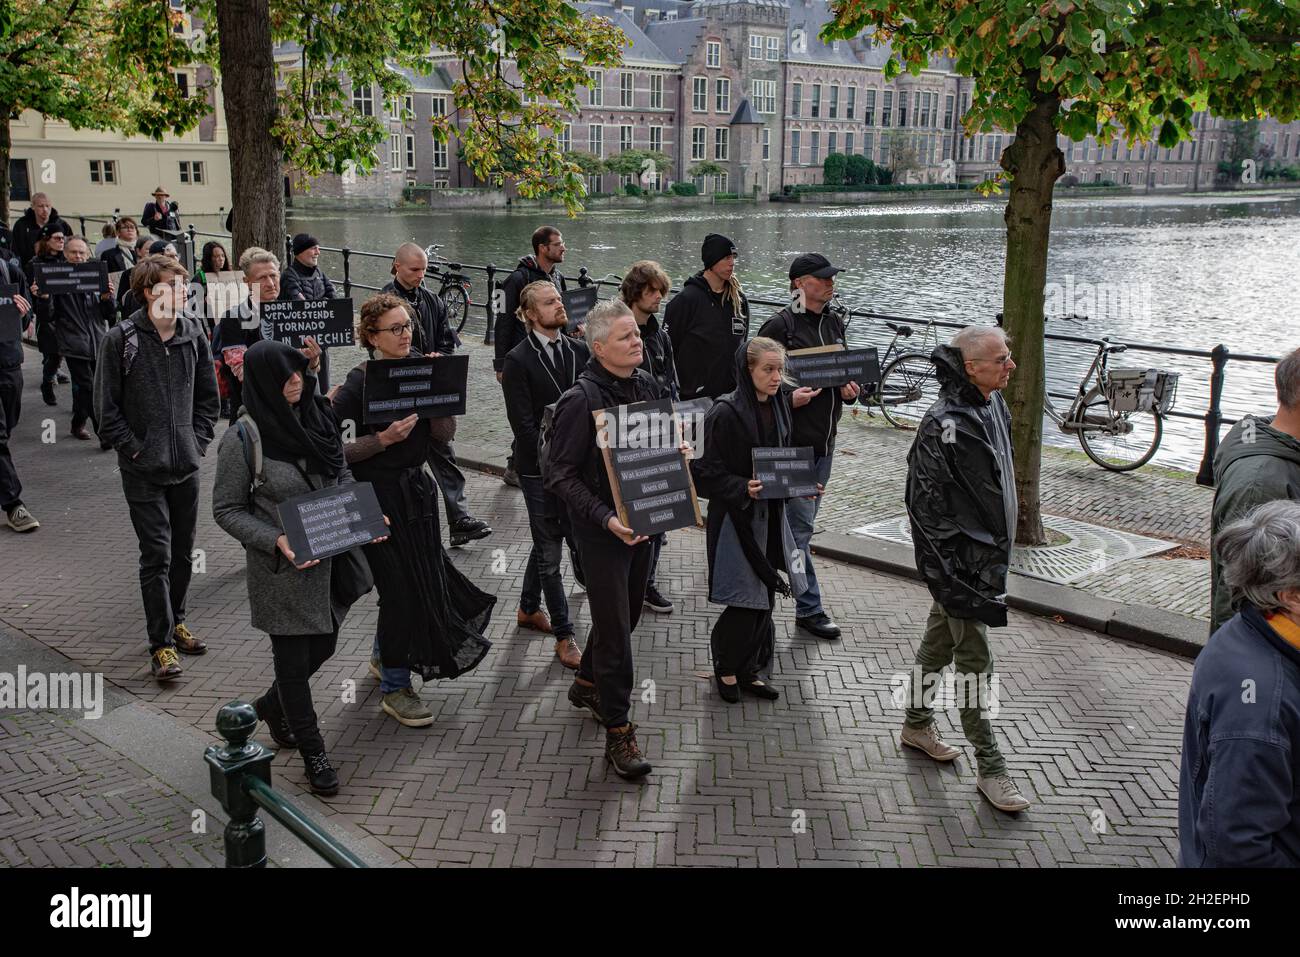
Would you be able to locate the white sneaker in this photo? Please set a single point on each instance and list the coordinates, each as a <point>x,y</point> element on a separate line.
<point>21,520</point>
<point>927,739</point>
<point>1002,793</point>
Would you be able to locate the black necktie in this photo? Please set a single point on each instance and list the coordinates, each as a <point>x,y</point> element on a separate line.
<point>557,361</point>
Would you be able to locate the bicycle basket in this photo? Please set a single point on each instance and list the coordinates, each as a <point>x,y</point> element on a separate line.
<point>1141,390</point>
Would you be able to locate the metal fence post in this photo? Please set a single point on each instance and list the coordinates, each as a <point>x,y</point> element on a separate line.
<point>83,226</point>
<point>228,767</point>
<point>1213,415</point>
<point>347,272</point>
<point>489,336</point>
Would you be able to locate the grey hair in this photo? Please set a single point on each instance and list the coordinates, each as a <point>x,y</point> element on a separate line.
<point>254,255</point>
<point>1287,378</point>
<point>1260,554</point>
<point>969,336</point>
<point>602,317</point>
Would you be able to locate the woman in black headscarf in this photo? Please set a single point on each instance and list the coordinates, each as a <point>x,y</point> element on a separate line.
<point>287,444</point>
<point>748,537</point>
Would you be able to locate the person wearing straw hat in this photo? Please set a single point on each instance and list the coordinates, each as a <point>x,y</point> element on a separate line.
<point>162,215</point>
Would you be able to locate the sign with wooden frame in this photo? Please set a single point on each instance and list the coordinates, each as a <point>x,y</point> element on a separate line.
<point>648,473</point>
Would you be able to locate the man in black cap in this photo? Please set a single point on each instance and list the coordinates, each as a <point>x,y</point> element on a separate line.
<point>304,279</point>
<point>807,323</point>
<point>707,321</point>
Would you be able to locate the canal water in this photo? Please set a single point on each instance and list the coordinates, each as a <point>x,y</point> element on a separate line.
<point>1185,270</point>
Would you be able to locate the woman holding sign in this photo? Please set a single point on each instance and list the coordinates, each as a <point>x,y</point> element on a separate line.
<point>748,535</point>
<point>431,617</point>
<point>294,439</point>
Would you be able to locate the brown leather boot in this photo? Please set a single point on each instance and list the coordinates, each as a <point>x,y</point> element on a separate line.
<point>570,655</point>
<point>537,621</point>
<point>621,750</point>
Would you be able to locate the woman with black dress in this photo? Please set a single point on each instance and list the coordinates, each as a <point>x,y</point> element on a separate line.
<point>431,617</point>
<point>748,537</point>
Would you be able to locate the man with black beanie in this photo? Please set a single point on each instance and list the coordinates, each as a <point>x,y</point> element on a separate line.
<point>707,321</point>
<point>304,279</point>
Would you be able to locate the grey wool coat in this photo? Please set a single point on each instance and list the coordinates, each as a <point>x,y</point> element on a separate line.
<point>282,599</point>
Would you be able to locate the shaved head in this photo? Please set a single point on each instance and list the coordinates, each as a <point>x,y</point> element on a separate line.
<point>410,253</point>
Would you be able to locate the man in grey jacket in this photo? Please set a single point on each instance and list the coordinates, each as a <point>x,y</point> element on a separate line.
<point>1257,462</point>
<point>156,403</point>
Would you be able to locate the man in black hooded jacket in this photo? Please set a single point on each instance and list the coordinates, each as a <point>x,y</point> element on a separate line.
<point>961,500</point>
<point>707,321</point>
<point>28,227</point>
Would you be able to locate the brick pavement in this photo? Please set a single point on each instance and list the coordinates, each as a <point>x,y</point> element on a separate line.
<point>1089,724</point>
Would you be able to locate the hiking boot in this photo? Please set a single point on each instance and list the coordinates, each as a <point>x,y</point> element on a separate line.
<point>47,393</point>
<point>81,432</point>
<point>277,725</point>
<point>21,520</point>
<point>820,625</point>
<point>621,751</point>
<point>1002,793</point>
<point>165,664</point>
<point>586,696</point>
<point>321,776</point>
<point>657,602</point>
<point>469,530</point>
<point>537,621</point>
<point>570,655</point>
<point>405,705</point>
<point>927,739</point>
<point>186,643</point>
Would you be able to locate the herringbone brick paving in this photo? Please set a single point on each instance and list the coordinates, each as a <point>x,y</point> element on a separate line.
<point>510,774</point>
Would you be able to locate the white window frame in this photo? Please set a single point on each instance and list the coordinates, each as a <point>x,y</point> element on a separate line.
<point>699,143</point>
<point>774,48</point>
<point>656,138</point>
<point>722,95</point>
<point>630,140</point>
<point>395,151</point>
<point>438,105</point>
<point>596,140</point>
<point>656,91</point>
<point>408,143</point>
<point>363,99</point>
<point>440,153</point>
<point>766,138</point>
<point>626,89</point>
<point>851,102</point>
<point>722,144</point>
<point>756,46</point>
<point>595,88</point>
<point>713,54</point>
<point>566,138</point>
<point>699,94</point>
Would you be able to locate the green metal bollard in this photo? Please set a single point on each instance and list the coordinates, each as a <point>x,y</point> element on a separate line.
<point>229,766</point>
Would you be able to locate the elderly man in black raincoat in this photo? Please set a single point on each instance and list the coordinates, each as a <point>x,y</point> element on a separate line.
<point>961,500</point>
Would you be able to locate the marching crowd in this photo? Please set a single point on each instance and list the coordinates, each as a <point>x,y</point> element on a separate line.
<point>150,377</point>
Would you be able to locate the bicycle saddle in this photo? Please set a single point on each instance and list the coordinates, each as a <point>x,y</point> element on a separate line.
<point>903,331</point>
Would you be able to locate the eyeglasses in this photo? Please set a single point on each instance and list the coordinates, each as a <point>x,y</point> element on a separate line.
<point>1000,360</point>
<point>399,330</point>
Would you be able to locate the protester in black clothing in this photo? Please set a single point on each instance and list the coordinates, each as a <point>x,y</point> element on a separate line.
<point>80,320</point>
<point>300,605</point>
<point>433,334</point>
<point>122,255</point>
<point>749,539</point>
<point>28,226</point>
<point>707,321</point>
<point>431,617</point>
<point>615,559</point>
<point>18,516</point>
<point>7,250</point>
<point>156,403</point>
<point>643,289</point>
<point>214,259</point>
<point>126,303</point>
<point>161,216</point>
<point>536,373</point>
<point>49,249</point>
<point>304,279</point>
<point>808,322</point>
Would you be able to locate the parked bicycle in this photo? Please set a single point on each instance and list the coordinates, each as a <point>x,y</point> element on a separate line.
<point>454,288</point>
<point>908,385</point>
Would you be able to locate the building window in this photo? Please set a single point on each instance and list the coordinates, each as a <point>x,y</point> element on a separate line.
<point>1114,149</point>
<point>440,151</point>
<point>566,138</point>
<point>394,112</point>
<point>625,90</point>
<point>835,101</point>
<point>774,48</point>
<point>721,143</point>
<point>408,107</point>
<point>656,91</point>
<point>816,100</point>
<point>410,150</point>
<point>848,144</point>
<point>191,173</point>
<point>595,88</point>
<point>869,109</point>
<point>796,105</point>
<point>947,111</point>
<point>713,54</point>
<point>902,107</point>
<point>698,134</point>
<point>869,145</point>
<point>925,110</point>
<point>830,143</point>
<point>851,104</point>
<point>720,183</point>
<point>363,100</point>
<point>887,108</point>
<point>395,151</point>
<point>183,81</point>
<point>596,140</point>
<point>815,148</point>
<point>624,138</point>
<point>722,96</point>
<point>767,143</point>
<point>104,172</point>
<point>884,150</point>
<point>794,148</point>
<point>764,96</point>
<point>699,94</point>
<point>656,139</point>
<point>438,106</point>
<point>755,47</point>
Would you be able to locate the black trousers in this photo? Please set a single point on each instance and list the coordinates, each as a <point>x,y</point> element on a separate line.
<point>742,641</point>
<point>616,581</point>
<point>165,518</point>
<point>11,404</point>
<point>297,658</point>
<point>82,372</point>
<point>50,365</point>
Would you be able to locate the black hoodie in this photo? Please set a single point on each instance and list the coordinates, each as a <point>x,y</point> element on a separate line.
<point>509,331</point>
<point>816,423</point>
<point>80,321</point>
<point>705,332</point>
<point>26,230</point>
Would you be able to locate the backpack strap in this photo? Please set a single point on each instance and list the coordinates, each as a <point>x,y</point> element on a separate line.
<point>251,439</point>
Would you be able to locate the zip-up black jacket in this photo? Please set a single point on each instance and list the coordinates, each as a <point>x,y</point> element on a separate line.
<point>657,357</point>
<point>432,332</point>
<point>530,385</point>
<point>80,320</point>
<point>11,353</point>
<point>509,331</point>
<point>817,422</point>
<point>160,416</point>
<point>305,282</point>
<point>25,230</point>
<point>705,334</point>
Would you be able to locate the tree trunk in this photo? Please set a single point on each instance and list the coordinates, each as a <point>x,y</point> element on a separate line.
<point>1034,163</point>
<point>6,144</point>
<point>248,87</point>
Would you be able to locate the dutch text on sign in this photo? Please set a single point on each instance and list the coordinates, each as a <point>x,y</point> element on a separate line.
<point>833,366</point>
<point>328,321</point>
<point>785,472</point>
<point>428,387</point>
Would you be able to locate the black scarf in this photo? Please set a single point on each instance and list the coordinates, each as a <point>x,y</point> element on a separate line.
<point>290,433</point>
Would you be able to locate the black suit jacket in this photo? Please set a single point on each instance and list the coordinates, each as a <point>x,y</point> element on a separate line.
<point>530,385</point>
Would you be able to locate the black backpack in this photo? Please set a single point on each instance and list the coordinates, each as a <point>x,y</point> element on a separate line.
<point>546,432</point>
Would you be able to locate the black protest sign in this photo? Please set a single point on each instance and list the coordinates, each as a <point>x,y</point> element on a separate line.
<point>60,278</point>
<point>829,366</point>
<point>11,323</point>
<point>785,472</point>
<point>328,321</point>
<point>577,303</point>
<point>330,521</point>
<point>430,388</point>
<point>648,474</point>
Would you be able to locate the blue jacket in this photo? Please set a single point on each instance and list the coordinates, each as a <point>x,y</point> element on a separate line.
<point>1239,787</point>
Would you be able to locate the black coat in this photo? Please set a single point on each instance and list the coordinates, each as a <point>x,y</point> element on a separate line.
<point>955,501</point>
<point>508,331</point>
<point>156,221</point>
<point>11,353</point>
<point>816,423</point>
<point>305,282</point>
<point>530,385</point>
<point>118,261</point>
<point>80,321</point>
<point>25,230</point>
<point>42,306</point>
<point>705,332</point>
<point>432,332</point>
<point>657,357</point>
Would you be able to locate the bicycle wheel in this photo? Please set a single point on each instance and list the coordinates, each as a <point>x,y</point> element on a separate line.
<point>1120,442</point>
<point>457,302</point>
<point>908,387</point>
